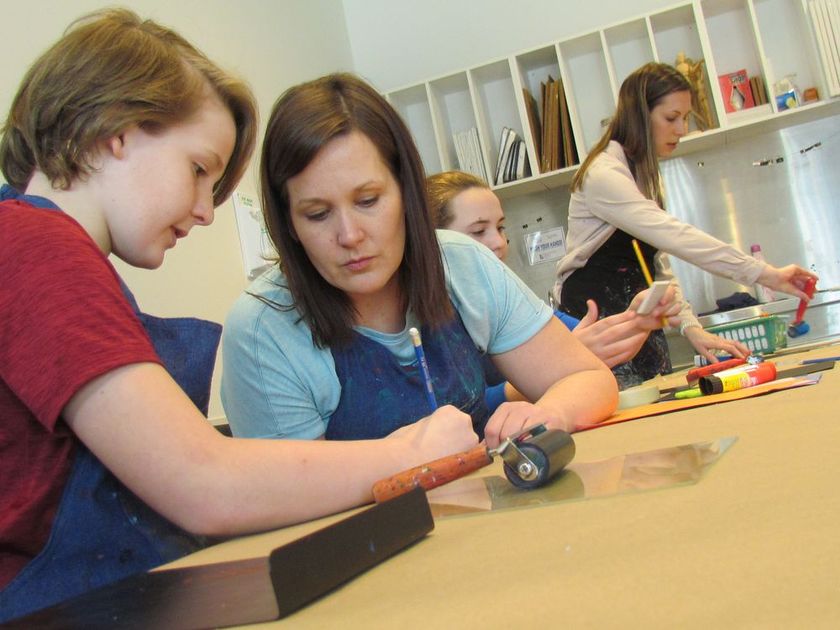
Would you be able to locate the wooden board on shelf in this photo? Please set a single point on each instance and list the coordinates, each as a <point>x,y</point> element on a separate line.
<point>554,125</point>
<point>534,124</point>
<point>545,165</point>
<point>569,149</point>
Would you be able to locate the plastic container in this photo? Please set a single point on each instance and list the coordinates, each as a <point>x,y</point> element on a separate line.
<point>761,335</point>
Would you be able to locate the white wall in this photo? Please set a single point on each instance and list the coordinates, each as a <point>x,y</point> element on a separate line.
<point>401,42</point>
<point>272,45</point>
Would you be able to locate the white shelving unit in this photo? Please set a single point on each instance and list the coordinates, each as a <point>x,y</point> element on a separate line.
<point>414,106</point>
<point>628,45</point>
<point>452,111</point>
<point>769,38</point>
<point>530,69</point>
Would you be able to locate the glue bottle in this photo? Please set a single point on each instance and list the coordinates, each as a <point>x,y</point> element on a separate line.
<point>762,293</point>
<point>738,378</point>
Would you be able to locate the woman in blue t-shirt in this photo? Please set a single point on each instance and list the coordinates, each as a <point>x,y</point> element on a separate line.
<point>319,346</point>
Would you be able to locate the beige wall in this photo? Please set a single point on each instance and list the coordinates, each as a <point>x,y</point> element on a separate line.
<point>271,44</point>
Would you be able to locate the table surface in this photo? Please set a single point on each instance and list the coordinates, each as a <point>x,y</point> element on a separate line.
<point>755,543</point>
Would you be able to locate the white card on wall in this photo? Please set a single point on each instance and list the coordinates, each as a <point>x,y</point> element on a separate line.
<point>545,245</point>
<point>257,250</point>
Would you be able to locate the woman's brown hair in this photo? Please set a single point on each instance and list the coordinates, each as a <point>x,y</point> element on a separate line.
<point>109,71</point>
<point>303,121</point>
<point>640,92</point>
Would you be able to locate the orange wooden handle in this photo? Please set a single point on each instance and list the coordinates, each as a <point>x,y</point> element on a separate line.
<point>432,474</point>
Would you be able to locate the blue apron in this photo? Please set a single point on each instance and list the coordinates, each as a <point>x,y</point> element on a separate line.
<point>102,532</point>
<point>378,395</point>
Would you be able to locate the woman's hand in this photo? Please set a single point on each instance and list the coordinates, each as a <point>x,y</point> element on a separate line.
<point>790,279</point>
<point>615,339</point>
<point>704,342</point>
<point>569,385</point>
<point>512,417</point>
<point>668,308</point>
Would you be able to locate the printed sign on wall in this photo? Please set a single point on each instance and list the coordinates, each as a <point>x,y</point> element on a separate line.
<point>545,245</point>
<point>256,246</point>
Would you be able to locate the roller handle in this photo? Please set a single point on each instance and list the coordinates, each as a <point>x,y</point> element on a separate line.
<point>810,285</point>
<point>695,374</point>
<point>432,474</point>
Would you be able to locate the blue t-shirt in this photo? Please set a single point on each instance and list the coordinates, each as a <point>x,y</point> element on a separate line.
<point>277,384</point>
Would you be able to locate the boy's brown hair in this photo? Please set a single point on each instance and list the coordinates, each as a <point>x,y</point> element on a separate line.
<point>109,71</point>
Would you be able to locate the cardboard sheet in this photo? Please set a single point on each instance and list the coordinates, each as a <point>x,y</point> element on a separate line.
<point>667,406</point>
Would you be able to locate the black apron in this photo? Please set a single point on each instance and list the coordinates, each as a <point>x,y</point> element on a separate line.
<point>612,277</point>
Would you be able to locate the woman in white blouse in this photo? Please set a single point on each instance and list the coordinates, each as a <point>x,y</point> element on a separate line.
<point>617,197</point>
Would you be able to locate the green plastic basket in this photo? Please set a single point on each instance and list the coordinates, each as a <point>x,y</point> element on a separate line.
<point>761,335</point>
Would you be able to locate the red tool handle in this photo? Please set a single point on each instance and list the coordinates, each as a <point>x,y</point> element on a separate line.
<point>810,285</point>
<point>433,474</point>
<point>696,373</point>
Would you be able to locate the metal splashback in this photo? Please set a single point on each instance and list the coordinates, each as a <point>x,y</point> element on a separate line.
<point>789,205</point>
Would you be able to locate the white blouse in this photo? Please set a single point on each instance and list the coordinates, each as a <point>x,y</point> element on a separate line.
<point>610,198</point>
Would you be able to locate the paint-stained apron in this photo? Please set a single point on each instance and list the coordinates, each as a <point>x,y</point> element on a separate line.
<point>102,532</point>
<point>378,395</point>
<point>612,277</point>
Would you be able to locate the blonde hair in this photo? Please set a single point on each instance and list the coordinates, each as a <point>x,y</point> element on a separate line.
<point>109,71</point>
<point>443,188</point>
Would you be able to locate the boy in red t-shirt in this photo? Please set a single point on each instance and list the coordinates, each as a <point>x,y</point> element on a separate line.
<point>121,139</point>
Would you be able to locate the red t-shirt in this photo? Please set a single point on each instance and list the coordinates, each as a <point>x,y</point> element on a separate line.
<point>63,321</point>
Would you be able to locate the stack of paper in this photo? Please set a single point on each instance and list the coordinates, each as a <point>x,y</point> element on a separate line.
<point>468,151</point>
<point>825,19</point>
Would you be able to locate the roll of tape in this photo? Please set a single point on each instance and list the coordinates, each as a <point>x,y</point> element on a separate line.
<point>639,395</point>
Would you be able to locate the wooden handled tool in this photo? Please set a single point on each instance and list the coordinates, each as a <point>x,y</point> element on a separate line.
<point>532,457</point>
<point>432,474</point>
